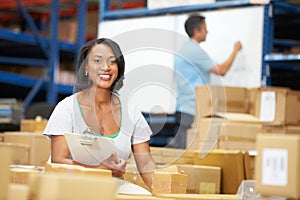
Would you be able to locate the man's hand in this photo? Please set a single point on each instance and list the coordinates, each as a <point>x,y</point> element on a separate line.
<point>237,46</point>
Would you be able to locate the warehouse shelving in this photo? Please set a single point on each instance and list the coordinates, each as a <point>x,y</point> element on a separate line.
<point>282,19</point>
<point>20,48</point>
<point>269,59</point>
<point>164,126</point>
<point>274,8</point>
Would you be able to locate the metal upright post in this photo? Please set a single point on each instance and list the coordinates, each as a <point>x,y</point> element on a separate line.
<point>81,20</point>
<point>54,54</point>
<point>268,32</point>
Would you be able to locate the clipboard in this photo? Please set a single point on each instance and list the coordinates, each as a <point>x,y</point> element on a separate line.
<point>89,149</point>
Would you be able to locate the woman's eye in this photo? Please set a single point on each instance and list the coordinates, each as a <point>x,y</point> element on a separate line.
<point>98,61</point>
<point>112,62</point>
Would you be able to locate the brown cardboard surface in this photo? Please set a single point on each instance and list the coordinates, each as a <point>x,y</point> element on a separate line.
<point>5,160</point>
<point>76,169</point>
<point>17,192</point>
<point>293,129</point>
<point>40,145</point>
<point>280,104</point>
<point>286,102</point>
<point>140,197</point>
<point>20,175</point>
<point>232,167</point>
<point>277,165</point>
<point>201,196</point>
<point>20,153</point>
<point>293,108</point>
<point>1,137</point>
<point>172,155</point>
<point>235,131</point>
<point>202,179</point>
<point>29,125</point>
<point>135,178</point>
<point>249,164</point>
<point>204,136</point>
<point>211,99</point>
<point>173,183</point>
<point>72,186</point>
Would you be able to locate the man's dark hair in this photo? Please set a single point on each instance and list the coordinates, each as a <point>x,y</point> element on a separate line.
<point>194,21</point>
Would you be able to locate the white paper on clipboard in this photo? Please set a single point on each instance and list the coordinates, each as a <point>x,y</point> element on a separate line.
<point>93,154</point>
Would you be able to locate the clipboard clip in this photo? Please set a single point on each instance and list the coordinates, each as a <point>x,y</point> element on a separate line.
<point>87,137</point>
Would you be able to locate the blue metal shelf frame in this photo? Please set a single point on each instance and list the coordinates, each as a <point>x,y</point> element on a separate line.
<point>51,48</point>
<point>275,6</point>
<point>115,14</point>
<point>290,61</point>
<point>268,30</point>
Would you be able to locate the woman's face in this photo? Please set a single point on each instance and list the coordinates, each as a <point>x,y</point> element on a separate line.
<point>102,67</point>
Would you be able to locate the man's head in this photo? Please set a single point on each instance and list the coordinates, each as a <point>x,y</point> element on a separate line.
<point>195,27</point>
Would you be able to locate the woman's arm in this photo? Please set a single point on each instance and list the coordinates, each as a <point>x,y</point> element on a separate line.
<point>144,161</point>
<point>59,150</point>
<point>60,154</point>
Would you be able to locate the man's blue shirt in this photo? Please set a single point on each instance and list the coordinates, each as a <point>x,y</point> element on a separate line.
<point>191,68</point>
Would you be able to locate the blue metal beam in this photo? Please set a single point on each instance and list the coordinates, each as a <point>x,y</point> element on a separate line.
<point>33,27</point>
<point>54,54</point>
<point>30,40</point>
<point>82,11</point>
<point>23,61</point>
<point>144,11</point>
<point>283,7</point>
<point>25,81</point>
<point>282,57</point>
<point>268,30</point>
<point>35,89</point>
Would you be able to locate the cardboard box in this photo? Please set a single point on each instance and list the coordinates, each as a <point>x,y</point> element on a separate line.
<point>277,165</point>
<point>72,186</point>
<point>276,105</point>
<point>235,131</point>
<point>39,145</point>
<point>20,153</point>
<point>28,125</point>
<point>202,179</point>
<point>1,137</point>
<point>212,99</point>
<point>172,156</point>
<point>17,192</point>
<point>20,173</point>
<point>139,197</point>
<point>293,129</point>
<point>5,160</point>
<point>239,136</point>
<point>169,182</point>
<point>76,169</point>
<point>231,163</point>
<point>249,164</point>
<point>204,135</point>
<point>201,196</point>
<point>133,176</point>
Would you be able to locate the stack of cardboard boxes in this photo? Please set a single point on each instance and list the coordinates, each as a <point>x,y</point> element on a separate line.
<point>231,117</point>
<point>228,121</point>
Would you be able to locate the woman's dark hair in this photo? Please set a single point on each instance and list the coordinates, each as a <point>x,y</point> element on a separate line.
<point>194,21</point>
<point>83,81</point>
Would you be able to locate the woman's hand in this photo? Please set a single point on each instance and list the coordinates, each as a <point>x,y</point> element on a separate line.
<point>115,164</point>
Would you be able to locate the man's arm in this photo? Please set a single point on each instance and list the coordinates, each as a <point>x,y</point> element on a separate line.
<point>222,69</point>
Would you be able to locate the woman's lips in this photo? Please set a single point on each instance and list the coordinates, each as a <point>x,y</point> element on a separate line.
<point>105,77</point>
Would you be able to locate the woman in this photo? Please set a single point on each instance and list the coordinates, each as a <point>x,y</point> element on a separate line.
<point>96,105</point>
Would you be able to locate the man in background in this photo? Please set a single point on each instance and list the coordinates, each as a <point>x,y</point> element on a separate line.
<point>192,67</point>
